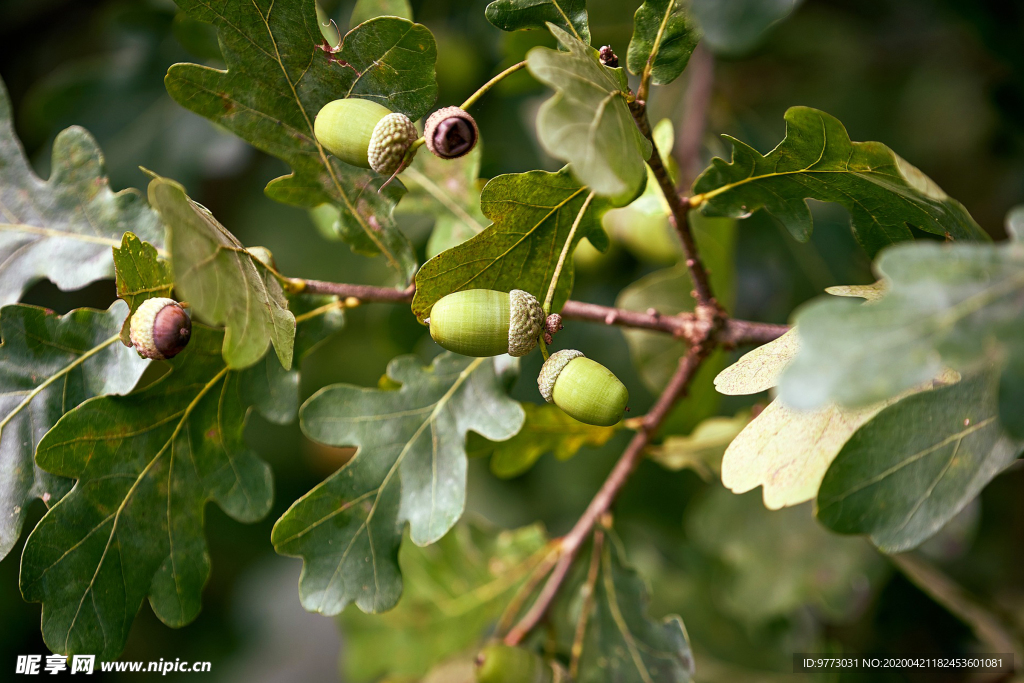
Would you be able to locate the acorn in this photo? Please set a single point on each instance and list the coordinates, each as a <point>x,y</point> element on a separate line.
<point>584,389</point>
<point>160,328</point>
<point>365,134</point>
<point>500,663</point>
<point>483,322</point>
<point>450,133</point>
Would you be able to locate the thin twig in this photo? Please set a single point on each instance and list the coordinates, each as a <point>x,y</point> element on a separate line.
<point>680,207</point>
<point>588,604</point>
<point>685,326</point>
<point>696,103</point>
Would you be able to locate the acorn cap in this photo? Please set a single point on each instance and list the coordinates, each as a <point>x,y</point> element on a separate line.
<point>526,322</point>
<point>160,328</point>
<point>552,368</point>
<point>391,139</point>
<point>450,133</point>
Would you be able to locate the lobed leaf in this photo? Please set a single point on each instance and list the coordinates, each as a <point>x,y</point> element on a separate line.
<point>457,589</point>
<point>222,282</point>
<point>603,608</point>
<point>62,228</point>
<point>146,465</point>
<point>520,15</point>
<point>664,37</point>
<point>547,430</point>
<point>900,483</point>
<point>958,306</point>
<point>884,194</point>
<point>276,81</point>
<point>48,365</point>
<point>410,466</point>
<point>759,370</point>
<point>140,274</point>
<point>588,123</point>
<point>532,216</point>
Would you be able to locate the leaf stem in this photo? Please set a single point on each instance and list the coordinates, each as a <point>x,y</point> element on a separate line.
<point>490,84</point>
<point>565,251</point>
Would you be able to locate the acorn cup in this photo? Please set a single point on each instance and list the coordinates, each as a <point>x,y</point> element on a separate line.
<point>484,322</point>
<point>450,133</point>
<point>365,134</point>
<point>160,329</point>
<point>499,663</point>
<point>584,389</point>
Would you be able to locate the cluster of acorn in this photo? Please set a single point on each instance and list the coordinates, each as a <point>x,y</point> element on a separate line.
<point>482,322</point>
<point>477,322</point>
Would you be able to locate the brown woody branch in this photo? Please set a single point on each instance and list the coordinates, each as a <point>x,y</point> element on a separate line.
<point>686,326</point>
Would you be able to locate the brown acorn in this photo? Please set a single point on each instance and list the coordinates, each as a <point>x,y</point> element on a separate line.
<point>450,133</point>
<point>160,329</point>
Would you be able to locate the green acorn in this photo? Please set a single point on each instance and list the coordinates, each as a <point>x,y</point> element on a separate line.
<point>160,328</point>
<point>450,133</point>
<point>585,390</point>
<point>498,663</point>
<point>365,134</point>
<point>483,322</point>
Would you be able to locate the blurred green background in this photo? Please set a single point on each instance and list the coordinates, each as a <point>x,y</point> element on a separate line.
<point>940,81</point>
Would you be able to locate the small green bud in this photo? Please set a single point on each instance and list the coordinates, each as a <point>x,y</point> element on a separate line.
<point>584,389</point>
<point>365,134</point>
<point>160,328</point>
<point>484,322</point>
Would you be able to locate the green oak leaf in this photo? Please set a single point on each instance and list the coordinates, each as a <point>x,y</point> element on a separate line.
<point>222,282</point>
<point>48,365</point>
<point>457,589</point>
<point>61,229</point>
<point>606,600</point>
<point>146,464</point>
<point>665,36</point>
<point>884,194</point>
<point>656,355</point>
<point>959,306</point>
<point>702,450</point>
<point>520,15</point>
<point>778,562</point>
<point>588,123</point>
<point>410,466</point>
<point>532,216</point>
<point>734,27</point>
<point>448,190</point>
<point>900,483</point>
<point>547,430</point>
<point>140,274</point>
<point>370,9</point>
<point>276,81</point>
